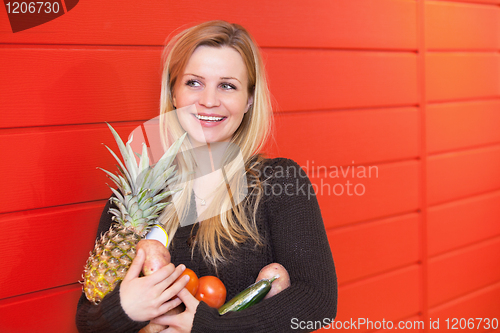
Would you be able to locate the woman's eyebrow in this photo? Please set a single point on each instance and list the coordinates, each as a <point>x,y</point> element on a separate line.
<point>222,78</point>
<point>201,77</point>
<point>230,78</point>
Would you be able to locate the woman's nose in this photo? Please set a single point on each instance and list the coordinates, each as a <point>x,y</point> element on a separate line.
<point>209,97</point>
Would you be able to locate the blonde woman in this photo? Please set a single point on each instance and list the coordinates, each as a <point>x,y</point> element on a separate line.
<point>237,211</point>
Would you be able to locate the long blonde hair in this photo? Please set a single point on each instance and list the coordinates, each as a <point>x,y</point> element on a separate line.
<point>230,223</point>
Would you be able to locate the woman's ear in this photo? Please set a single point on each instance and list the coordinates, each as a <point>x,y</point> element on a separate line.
<point>174,102</point>
<point>249,104</point>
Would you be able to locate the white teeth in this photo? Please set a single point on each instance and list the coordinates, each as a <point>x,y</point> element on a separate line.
<point>206,118</point>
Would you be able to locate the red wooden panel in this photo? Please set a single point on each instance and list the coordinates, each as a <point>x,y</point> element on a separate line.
<point>56,165</point>
<point>371,248</point>
<point>342,23</point>
<point>460,125</point>
<point>394,190</point>
<point>450,76</point>
<point>461,26</point>
<point>481,304</point>
<point>83,86</point>
<point>65,86</point>
<point>52,243</point>
<point>457,175</point>
<point>463,222</point>
<point>42,312</point>
<point>391,296</point>
<point>476,1</point>
<point>322,79</point>
<point>340,137</point>
<point>460,272</point>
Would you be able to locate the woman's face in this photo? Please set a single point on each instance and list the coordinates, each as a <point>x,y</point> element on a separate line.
<point>215,81</point>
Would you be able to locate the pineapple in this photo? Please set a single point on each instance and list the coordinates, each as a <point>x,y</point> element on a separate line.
<point>139,201</point>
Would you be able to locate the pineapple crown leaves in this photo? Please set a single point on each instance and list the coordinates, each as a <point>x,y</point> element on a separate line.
<point>141,186</point>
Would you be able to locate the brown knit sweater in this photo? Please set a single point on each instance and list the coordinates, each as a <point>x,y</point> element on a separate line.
<point>289,220</point>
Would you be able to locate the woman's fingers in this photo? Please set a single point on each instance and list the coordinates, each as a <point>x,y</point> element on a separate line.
<point>188,299</point>
<point>181,322</point>
<point>169,279</point>
<point>161,275</point>
<point>173,287</point>
<point>170,305</point>
<point>136,266</point>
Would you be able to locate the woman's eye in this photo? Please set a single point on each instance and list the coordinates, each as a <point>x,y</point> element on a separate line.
<point>192,83</point>
<point>228,86</point>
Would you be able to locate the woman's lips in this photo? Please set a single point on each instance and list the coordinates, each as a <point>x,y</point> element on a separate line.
<point>209,120</point>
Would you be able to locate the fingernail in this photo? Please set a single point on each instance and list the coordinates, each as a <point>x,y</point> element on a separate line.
<point>187,277</point>
<point>183,267</point>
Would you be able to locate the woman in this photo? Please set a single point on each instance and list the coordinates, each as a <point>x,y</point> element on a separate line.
<point>231,219</point>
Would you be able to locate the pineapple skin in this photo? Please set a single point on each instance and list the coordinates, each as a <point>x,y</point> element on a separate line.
<point>109,261</point>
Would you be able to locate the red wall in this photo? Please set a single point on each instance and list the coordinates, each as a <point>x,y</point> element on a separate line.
<point>408,88</point>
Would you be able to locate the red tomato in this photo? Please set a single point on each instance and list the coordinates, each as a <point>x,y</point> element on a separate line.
<point>192,285</point>
<point>212,291</point>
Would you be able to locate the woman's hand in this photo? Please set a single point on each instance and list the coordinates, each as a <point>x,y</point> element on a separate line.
<point>182,322</point>
<point>145,298</point>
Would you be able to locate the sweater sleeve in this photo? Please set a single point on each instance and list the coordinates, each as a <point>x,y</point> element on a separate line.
<point>108,316</point>
<point>299,242</point>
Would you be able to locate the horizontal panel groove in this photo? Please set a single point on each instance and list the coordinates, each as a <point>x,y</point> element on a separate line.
<point>490,3</point>
<point>464,296</point>
<point>75,47</point>
<point>465,248</point>
<point>475,99</point>
<point>111,47</point>
<point>26,296</point>
<point>280,113</point>
<point>356,224</point>
<point>446,202</point>
<point>485,50</point>
<point>474,197</point>
<point>316,173</point>
<point>77,125</point>
<point>461,150</point>
<point>467,99</point>
<point>40,209</point>
<point>483,290</point>
<point>342,49</point>
<point>380,276</point>
<point>66,127</point>
<point>383,217</point>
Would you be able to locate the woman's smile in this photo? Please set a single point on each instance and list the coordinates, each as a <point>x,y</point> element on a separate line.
<point>209,120</point>
<point>215,82</point>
